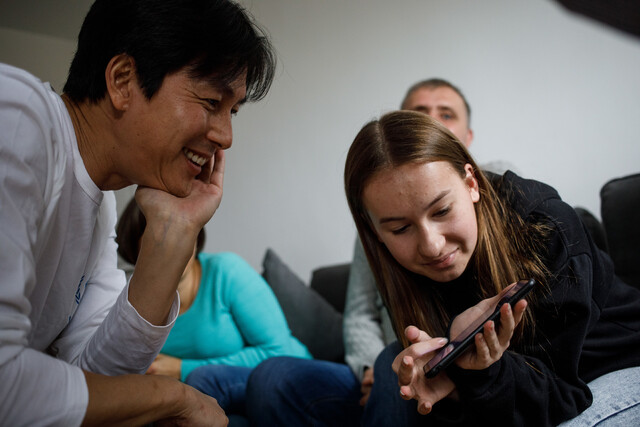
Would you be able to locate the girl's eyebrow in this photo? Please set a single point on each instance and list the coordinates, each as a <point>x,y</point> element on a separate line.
<point>439,197</point>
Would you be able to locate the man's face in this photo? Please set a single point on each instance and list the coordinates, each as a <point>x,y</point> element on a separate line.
<point>173,136</point>
<point>444,105</point>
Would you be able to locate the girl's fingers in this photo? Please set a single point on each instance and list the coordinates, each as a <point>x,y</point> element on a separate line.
<point>507,324</point>
<point>518,310</point>
<point>415,335</point>
<point>483,353</point>
<point>424,407</point>
<point>405,371</point>
<point>406,392</point>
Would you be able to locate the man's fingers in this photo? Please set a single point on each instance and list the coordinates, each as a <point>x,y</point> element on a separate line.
<point>217,172</point>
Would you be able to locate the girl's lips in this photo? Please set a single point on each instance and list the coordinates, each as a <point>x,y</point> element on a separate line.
<point>443,262</point>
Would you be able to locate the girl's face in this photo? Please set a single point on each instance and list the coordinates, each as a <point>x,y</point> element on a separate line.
<point>424,214</point>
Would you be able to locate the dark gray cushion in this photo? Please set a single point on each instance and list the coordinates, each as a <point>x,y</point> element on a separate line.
<point>311,319</point>
<point>331,282</point>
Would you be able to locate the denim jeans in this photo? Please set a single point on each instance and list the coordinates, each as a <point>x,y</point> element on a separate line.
<point>616,401</point>
<point>227,384</point>
<point>385,406</point>
<point>289,391</point>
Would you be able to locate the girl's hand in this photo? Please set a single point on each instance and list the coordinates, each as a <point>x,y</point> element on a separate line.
<point>166,365</point>
<point>366,386</point>
<point>409,366</point>
<point>489,345</point>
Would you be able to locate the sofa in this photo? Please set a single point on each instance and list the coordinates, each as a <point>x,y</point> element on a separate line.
<point>314,312</point>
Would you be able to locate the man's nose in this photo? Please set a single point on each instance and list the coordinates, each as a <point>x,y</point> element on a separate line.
<point>221,132</point>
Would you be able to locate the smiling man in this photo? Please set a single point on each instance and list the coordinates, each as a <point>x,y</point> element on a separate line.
<point>148,101</point>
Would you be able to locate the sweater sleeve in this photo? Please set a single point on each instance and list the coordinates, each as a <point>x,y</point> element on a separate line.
<point>362,322</point>
<point>538,384</point>
<point>258,317</point>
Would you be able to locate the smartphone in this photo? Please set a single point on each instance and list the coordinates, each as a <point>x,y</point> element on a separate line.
<point>460,343</point>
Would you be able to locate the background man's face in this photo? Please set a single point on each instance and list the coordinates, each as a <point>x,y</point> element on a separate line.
<point>444,105</point>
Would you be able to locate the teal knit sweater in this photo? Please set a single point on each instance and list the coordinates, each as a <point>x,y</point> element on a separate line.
<point>235,319</point>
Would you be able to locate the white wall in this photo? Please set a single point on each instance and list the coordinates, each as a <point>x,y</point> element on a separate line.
<point>554,93</point>
<point>46,57</point>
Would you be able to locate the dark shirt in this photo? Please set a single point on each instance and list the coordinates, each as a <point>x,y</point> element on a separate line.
<point>587,323</point>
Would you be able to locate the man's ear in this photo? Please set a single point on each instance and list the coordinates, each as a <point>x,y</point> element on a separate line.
<point>472,182</point>
<point>469,138</point>
<point>120,76</point>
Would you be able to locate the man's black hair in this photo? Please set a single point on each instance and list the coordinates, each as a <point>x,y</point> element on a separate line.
<point>215,38</point>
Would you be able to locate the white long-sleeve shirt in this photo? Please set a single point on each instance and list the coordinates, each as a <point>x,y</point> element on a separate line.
<point>63,302</point>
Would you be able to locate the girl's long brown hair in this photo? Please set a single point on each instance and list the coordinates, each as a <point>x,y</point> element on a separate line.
<point>507,249</point>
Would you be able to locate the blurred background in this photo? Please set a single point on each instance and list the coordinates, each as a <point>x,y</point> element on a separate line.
<point>554,93</point>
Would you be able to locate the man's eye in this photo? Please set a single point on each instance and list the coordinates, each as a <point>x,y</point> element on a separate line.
<point>213,103</point>
<point>447,116</point>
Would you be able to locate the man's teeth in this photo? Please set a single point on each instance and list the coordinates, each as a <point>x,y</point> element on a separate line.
<point>199,160</point>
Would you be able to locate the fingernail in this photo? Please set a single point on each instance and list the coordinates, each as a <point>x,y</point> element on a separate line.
<point>442,341</point>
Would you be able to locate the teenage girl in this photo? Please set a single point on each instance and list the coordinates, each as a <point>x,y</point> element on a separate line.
<point>443,239</point>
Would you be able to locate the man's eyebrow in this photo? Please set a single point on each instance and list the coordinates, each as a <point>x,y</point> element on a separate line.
<point>446,108</point>
<point>439,197</point>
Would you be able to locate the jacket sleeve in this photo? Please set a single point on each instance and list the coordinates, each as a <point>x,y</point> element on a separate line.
<point>539,384</point>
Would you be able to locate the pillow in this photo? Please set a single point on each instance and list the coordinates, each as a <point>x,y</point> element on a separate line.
<point>330,282</point>
<point>312,320</point>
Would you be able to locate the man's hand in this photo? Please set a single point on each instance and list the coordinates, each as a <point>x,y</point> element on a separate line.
<point>192,211</point>
<point>200,410</point>
<point>166,365</point>
<point>142,399</point>
<point>173,225</point>
<point>409,366</point>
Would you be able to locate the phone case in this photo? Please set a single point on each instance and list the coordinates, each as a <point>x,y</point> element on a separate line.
<point>462,341</point>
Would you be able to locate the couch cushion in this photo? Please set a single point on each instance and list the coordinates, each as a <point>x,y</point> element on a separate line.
<point>331,282</point>
<point>311,319</point>
<point>620,204</point>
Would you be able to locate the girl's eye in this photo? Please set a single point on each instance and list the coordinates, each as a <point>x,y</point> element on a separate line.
<point>400,230</point>
<point>442,212</point>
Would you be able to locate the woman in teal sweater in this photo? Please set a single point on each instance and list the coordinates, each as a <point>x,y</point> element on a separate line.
<point>229,320</point>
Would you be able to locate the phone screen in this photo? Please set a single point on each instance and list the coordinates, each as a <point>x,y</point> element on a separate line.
<point>464,339</point>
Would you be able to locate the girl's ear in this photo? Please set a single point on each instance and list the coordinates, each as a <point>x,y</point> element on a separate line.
<point>472,183</point>
<point>120,76</point>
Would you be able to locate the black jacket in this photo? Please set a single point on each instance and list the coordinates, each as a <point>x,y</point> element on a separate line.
<point>587,323</point>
